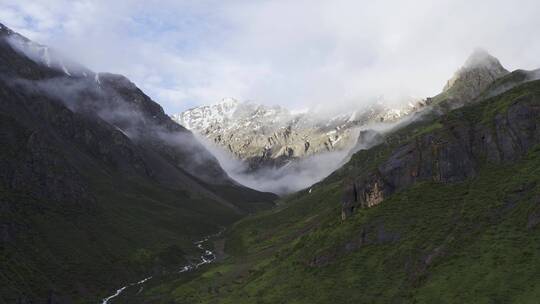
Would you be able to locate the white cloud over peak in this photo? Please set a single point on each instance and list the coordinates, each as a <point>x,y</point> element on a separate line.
<point>295,53</point>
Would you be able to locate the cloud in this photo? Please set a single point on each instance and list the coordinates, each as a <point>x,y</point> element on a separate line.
<point>294,53</point>
<point>297,175</point>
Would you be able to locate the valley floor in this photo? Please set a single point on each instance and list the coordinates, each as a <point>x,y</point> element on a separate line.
<point>473,242</point>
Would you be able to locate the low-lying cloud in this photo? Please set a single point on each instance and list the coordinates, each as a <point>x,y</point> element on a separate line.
<point>304,172</point>
<point>295,176</point>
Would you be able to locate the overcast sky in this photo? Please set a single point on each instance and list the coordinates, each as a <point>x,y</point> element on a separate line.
<point>294,53</point>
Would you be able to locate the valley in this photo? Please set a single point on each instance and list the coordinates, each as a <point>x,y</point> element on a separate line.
<point>281,151</point>
<point>108,197</point>
<point>97,185</point>
<point>207,256</point>
<point>441,234</point>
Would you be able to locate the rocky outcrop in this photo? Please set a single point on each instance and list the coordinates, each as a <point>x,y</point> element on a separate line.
<point>474,77</point>
<point>456,150</point>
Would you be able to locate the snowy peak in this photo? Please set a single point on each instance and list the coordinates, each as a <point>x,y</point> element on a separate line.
<point>272,136</point>
<point>229,113</point>
<point>201,118</point>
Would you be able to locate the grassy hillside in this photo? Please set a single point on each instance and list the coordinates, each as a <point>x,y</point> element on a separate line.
<point>473,241</point>
<point>98,186</point>
<point>74,228</point>
<point>134,229</point>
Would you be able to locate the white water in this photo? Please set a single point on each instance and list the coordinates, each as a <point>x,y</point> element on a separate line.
<point>206,258</point>
<point>119,291</point>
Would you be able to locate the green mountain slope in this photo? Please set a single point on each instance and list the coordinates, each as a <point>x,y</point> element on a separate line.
<point>98,186</point>
<point>454,218</point>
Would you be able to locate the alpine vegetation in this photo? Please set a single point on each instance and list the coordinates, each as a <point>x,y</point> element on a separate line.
<point>232,152</point>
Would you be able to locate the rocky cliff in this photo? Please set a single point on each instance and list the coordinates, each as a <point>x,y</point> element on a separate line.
<point>450,149</point>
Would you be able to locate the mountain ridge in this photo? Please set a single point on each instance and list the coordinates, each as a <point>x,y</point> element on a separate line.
<point>273,136</point>
<point>478,72</point>
<point>98,185</point>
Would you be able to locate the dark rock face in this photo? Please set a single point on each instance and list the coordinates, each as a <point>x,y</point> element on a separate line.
<point>147,124</point>
<point>349,200</point>
<point>450,154</point>
<point>31,164</point>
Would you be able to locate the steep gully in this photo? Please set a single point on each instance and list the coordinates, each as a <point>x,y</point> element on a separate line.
<point>206,257</point>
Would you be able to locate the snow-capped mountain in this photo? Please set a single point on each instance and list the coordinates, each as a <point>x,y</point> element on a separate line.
<point>272,135</point>
<point>203,117</point>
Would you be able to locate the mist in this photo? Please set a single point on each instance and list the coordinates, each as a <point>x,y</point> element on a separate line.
<point>47,56</point>
<point>302,173</point>
<point>296,175</point>
<point>98,94</point>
